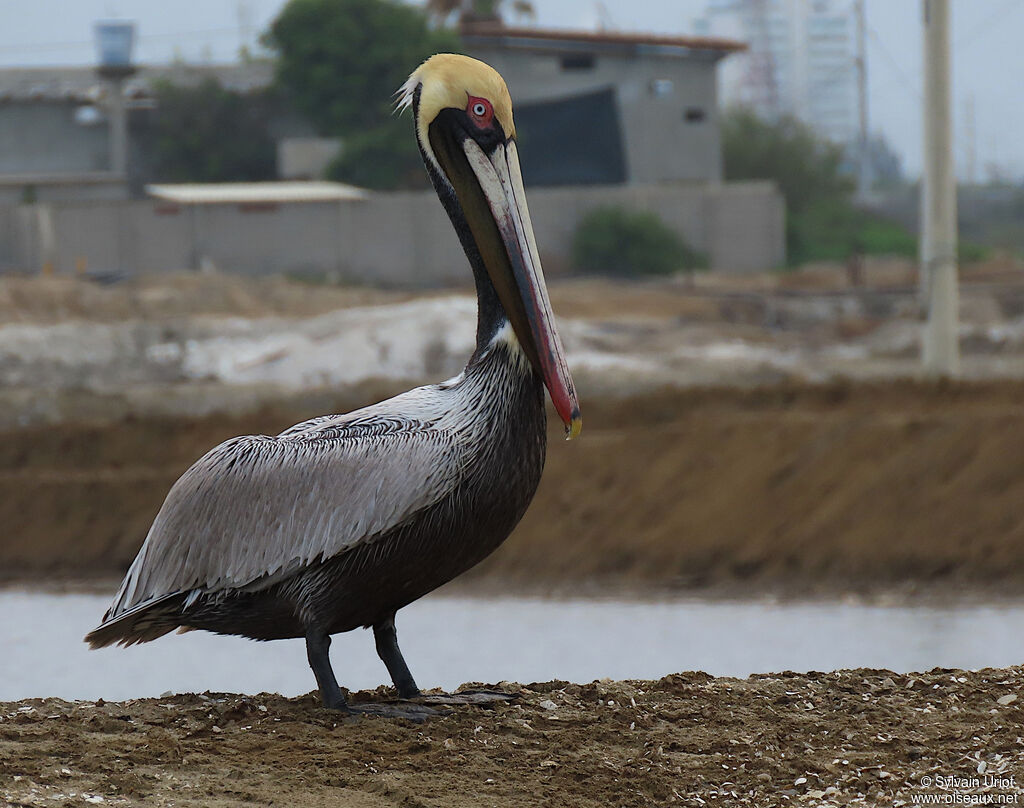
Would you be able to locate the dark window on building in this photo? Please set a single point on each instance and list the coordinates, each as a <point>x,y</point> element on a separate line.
<point>693,115</point>
<point>578,61</point>
<point>572,141</point>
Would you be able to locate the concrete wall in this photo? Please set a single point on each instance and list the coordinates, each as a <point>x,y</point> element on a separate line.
<point>306,158</point>
<point>43,137</point>
<point>654,94</point>
<point>390,239</point>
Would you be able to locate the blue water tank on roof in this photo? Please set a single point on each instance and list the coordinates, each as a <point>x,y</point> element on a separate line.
<point>114,42</point>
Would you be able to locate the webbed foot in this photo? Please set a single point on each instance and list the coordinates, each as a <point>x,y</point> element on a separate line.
<point>468,697</point>
<point>417,713</point>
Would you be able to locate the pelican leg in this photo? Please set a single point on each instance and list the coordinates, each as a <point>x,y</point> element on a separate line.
<point>318,646</point>
<point>386,639</point>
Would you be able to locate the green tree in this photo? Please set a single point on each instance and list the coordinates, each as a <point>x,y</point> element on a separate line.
<point>804,166</point>
<point>382,157</point>
<point>822,223</point>
<point>340,61</point>
<point>206,133</point>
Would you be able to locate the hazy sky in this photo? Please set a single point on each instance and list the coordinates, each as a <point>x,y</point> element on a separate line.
<point>987,37</point>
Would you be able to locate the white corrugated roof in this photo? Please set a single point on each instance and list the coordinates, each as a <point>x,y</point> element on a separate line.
<point>254,192</point>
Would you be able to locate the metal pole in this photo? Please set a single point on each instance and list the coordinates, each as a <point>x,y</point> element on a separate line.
<point>47,238</point>
<point>941,350</point>
<point>118,127</point>
<point>863,166</point>
<point>969,137</point>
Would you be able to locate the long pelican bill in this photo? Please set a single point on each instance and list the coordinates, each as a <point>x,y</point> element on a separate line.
<point>490,189</point>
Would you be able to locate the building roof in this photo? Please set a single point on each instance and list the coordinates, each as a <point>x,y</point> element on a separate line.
<point>84,85</point>
<point>213,193</point>
<point>62,178</point>
<point>553,38</point>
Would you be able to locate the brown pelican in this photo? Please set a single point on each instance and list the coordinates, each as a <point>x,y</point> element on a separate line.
<point>340,521</point>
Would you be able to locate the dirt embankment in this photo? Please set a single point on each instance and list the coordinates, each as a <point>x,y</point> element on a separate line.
<point>858,737</point>
<point>796,487</point>
<point>157,298</point>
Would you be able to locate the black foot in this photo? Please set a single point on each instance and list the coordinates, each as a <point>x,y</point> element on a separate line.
<point>468,697</point>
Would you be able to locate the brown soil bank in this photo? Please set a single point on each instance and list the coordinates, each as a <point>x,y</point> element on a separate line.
<point>848,738</point>
<point>806,487</point>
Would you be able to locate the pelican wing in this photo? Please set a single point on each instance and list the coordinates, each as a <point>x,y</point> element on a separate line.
<point>257,507</point>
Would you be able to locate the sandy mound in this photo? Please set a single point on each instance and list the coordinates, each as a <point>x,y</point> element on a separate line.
<point>799,487</point>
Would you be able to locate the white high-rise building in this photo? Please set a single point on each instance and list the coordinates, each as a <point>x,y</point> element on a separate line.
<point>801,60</point>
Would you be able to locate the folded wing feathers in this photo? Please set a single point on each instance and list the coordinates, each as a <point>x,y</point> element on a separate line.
<point>256,506</point>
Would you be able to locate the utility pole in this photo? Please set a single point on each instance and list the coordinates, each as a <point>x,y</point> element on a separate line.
<point>114,42</point>
<point>244,12</point>
<point>941,349</point>
<point>970,148</point>
<point>863,157</point>
<point>118,143</point>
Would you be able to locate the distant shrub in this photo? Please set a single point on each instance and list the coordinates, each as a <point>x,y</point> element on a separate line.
<point>833,229</point>
<point>881,236</point>
<point>970,251</point>
<point>613,241</point>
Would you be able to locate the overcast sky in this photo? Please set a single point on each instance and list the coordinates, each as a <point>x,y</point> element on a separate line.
<point>987,36</point>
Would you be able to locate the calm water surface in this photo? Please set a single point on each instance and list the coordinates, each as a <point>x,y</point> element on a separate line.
<point>450,640</point>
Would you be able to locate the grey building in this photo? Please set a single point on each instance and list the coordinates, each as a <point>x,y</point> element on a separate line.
<point>54,128</point>
<point>801,60</point>
<point>50,136</point>
<point>591,108</point>
<point>607,107</point>
<point>602,119</point>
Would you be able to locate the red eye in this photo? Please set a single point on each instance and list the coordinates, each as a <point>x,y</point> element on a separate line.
<point>480,111</point>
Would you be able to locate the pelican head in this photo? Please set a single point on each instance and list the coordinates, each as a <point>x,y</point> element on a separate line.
<point>464,127</point>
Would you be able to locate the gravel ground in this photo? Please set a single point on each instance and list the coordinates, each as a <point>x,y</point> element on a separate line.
<point>859,737</point>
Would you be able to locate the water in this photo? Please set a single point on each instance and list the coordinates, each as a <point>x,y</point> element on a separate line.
<point>450,640</point>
